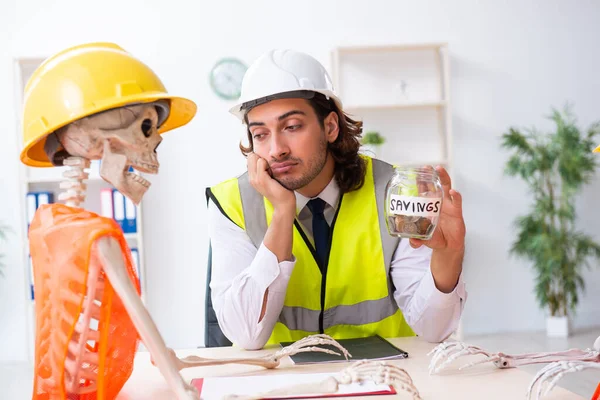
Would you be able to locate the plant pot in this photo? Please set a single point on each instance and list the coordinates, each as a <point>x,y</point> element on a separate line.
<point>558,326</point>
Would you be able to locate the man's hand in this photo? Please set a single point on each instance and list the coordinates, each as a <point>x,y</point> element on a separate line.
<point>279,236</point>
<point>448,240</point>
<point>450,232</point>
<point>260,178</point>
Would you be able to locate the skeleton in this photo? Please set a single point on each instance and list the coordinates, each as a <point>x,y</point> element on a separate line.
<point>559,363</point>
<point>379,372</point>
<point>124,137</point>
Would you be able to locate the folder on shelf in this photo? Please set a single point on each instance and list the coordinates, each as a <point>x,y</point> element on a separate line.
<point>130,222</point>
<point>113,204</point>
<point>135,256</point>
<point>106,203</point>
<point>44,198</point>
<point>119,208</point>
<point>31,207</point>
<point>31,281</point>
<point>34,200</point>
<point>124,212</point>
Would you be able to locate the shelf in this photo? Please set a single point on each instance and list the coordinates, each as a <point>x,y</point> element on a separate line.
<point>402,92</point>
<point>389,48</point>
<point>399,106</point>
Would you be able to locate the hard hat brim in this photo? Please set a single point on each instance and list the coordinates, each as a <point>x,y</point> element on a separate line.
<point>239,111</point>
<point>597,149</point>
<point>181,112</point>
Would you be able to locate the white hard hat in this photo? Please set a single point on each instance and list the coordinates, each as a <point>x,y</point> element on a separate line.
<point>283,74</point>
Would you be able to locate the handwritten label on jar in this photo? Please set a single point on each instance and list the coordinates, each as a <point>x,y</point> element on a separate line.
<point>417,206</point>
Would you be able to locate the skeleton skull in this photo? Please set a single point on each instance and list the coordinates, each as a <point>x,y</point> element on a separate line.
<point>121,137</point>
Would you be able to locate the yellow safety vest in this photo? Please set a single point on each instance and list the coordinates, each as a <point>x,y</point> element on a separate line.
<point>354,296</point>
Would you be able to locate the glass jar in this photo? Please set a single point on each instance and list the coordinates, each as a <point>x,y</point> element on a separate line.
<point>413,202</point>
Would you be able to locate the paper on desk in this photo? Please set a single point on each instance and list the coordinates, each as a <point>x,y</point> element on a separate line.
<point>219,387</point>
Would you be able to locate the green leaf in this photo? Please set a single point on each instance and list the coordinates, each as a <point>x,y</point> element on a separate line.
<point>373,137</point>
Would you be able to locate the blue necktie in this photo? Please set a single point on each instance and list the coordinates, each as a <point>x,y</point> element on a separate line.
<point>320,229</point>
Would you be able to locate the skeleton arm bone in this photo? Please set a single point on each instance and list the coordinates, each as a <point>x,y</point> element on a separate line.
<point>445,353</point>
<point>111,257</point>
<point>517,360</point>
<point>309,343</point>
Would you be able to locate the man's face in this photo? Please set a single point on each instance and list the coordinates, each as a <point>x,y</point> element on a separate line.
<point>287,134</point>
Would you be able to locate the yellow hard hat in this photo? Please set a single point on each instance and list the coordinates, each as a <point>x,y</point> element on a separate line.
<point>84,80</point>
<point>597,149</point>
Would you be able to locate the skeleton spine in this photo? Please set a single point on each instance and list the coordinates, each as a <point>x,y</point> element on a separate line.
<point>73,184</point>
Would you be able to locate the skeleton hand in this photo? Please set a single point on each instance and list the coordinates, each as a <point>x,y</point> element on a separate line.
<point>451,350</point>
<point>309,343</point>
<point>379,372</point>
<point>548,376</point>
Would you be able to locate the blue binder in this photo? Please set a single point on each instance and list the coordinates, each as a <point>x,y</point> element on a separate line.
<point>130,217</point>
<point>125,212</point>
<point>34,200</point>
<point>119,208</point>
<point>31,280</point>
<point>135,256</point>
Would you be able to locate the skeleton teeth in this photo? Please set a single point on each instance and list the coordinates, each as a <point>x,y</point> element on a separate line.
<point>138,179</point>
<point>151,168</point>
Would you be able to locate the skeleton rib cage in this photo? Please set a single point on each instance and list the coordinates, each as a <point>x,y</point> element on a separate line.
<point>71,291</point>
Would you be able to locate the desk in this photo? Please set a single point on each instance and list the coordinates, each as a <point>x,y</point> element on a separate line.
<point>479,382</point>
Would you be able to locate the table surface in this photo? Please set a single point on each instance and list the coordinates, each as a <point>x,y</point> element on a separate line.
<point>480,382</point>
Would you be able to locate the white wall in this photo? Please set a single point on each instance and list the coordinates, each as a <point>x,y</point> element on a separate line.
<point>501,75</point>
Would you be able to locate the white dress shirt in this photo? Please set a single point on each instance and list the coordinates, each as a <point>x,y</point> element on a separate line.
<point>241,274</point>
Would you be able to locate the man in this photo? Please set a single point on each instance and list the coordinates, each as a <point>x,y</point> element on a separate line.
<point>299,242</point>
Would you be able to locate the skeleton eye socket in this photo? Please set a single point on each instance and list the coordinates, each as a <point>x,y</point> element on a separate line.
<point>146,127</point>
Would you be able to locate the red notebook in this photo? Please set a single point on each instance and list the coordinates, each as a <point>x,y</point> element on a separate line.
<point>218,387</point>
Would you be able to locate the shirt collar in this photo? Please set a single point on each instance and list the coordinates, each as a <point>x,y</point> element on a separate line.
<point>330,195</point>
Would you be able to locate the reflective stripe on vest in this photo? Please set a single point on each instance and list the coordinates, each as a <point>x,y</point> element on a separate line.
<point>366,312</point>
<point>354,297</point>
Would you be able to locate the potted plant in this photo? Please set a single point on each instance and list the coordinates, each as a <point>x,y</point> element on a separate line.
<point>371,142</point>
<point>555,166</point>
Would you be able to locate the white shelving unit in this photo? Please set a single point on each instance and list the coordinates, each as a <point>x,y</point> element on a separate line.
<point>403,93</point>
<point>34,179</point>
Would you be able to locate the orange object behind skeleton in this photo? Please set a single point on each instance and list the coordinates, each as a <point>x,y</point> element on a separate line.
<point>62,249</point>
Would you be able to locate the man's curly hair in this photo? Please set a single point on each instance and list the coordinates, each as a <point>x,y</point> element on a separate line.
<point>350,167</point>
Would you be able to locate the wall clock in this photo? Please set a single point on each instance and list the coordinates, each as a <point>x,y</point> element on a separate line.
<point>226,78</point>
